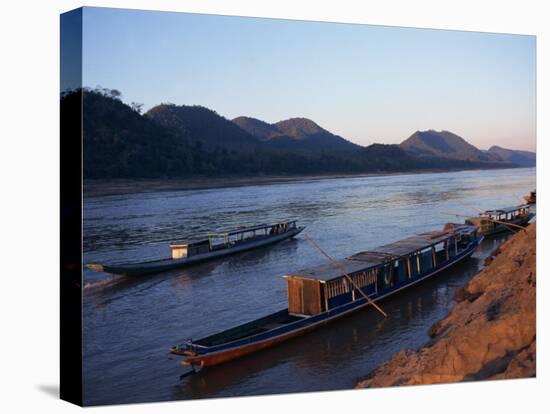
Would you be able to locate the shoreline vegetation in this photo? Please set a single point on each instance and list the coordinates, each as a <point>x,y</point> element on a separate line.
<point>120,186</point>
<point>489,334</point>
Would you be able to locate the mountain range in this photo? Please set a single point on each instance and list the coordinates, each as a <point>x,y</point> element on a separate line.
<point>178,141</point>
<point>522,158</point>
<point>296,134</point>
<point>445,144</point>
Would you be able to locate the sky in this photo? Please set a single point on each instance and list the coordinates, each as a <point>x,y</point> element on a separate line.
<point>366,83</point>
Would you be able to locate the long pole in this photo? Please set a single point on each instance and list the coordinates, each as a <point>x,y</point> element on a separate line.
<point>337,266</point>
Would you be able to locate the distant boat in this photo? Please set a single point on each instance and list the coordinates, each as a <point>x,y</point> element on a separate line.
<point>212,247</point>
<point>531,198</point>
<point>323,294</point>
<point>491,222</point>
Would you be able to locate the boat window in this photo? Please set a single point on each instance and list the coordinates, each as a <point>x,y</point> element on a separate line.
<point>426,260</point>
<point>365,278</point>
<point>385,277</point>
<point>400,270</point>
<point>337,287</point>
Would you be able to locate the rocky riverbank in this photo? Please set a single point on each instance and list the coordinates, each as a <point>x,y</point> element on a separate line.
<point>491,332</point>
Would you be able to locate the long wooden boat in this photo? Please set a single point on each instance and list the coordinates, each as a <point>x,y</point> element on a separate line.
<point>492,222</point>
<point>215,245</point>
<point>323,294</point>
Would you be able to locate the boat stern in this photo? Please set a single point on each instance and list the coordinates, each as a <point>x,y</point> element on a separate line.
<point>187,348</point>
<point>95,266</point>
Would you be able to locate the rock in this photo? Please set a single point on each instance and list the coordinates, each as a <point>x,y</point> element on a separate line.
<point>490,334</point>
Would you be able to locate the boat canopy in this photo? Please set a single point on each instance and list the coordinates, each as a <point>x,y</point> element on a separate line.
<point>290,223</point>
<point>504,210</point>
<point>381,255</point>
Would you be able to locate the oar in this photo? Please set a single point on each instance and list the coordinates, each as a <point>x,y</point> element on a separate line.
<point>509,225</point>
<point>337,266</point>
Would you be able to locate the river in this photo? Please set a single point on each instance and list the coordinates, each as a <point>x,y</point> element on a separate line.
<point>129,324</point>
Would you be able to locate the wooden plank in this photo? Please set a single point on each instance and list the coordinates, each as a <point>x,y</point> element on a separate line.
<point>295,287</point>
<point>311,297</point>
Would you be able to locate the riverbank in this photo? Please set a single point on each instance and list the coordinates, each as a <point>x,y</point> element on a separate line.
<point>490,334</point>
<point>105,187</point>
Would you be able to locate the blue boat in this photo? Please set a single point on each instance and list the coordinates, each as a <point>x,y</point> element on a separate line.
<point>322,294</point>
<point>214,246</point>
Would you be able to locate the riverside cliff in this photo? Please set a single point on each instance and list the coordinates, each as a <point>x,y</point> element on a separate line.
<point>490,334</point>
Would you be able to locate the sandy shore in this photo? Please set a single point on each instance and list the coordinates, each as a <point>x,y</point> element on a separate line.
<point>490,334</point>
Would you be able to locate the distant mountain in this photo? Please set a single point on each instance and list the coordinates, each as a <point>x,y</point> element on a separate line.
<point>296,134</point>
<point>183,141</point>
<point>384,157</point>
<point>210,130</point>
<point>523,158</point>
<point>445,144</point>
<point>257,128</point>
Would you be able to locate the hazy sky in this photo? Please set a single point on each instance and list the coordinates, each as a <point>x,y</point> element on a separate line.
<point>365,83</point>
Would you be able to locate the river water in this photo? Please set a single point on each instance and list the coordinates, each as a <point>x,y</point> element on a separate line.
<point>129,324</point>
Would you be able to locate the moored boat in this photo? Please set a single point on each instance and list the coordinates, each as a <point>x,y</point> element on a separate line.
<point>323,294</point>
<point>492,222</point>
<point>215,245</point>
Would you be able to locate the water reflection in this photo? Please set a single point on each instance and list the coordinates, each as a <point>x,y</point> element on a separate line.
<point>129,323</point>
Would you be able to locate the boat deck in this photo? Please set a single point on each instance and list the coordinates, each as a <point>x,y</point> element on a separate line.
<point>245,330</point>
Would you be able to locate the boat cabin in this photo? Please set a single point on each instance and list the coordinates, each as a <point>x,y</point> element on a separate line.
<point>375,272</point>
<point>218,241</point>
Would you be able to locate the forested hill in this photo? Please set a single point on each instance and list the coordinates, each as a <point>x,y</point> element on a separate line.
<point>300,135</point>
<point>182,141</point>
<point>445,144</point>
<point>206,126</point>
<point>523,158</point>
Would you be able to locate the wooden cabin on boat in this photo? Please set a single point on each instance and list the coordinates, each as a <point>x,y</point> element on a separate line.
<point>494,221</point>
<point>387,268</point>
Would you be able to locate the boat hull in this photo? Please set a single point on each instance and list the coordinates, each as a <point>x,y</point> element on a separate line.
<point>141,269</point>
<point>305,325</point>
